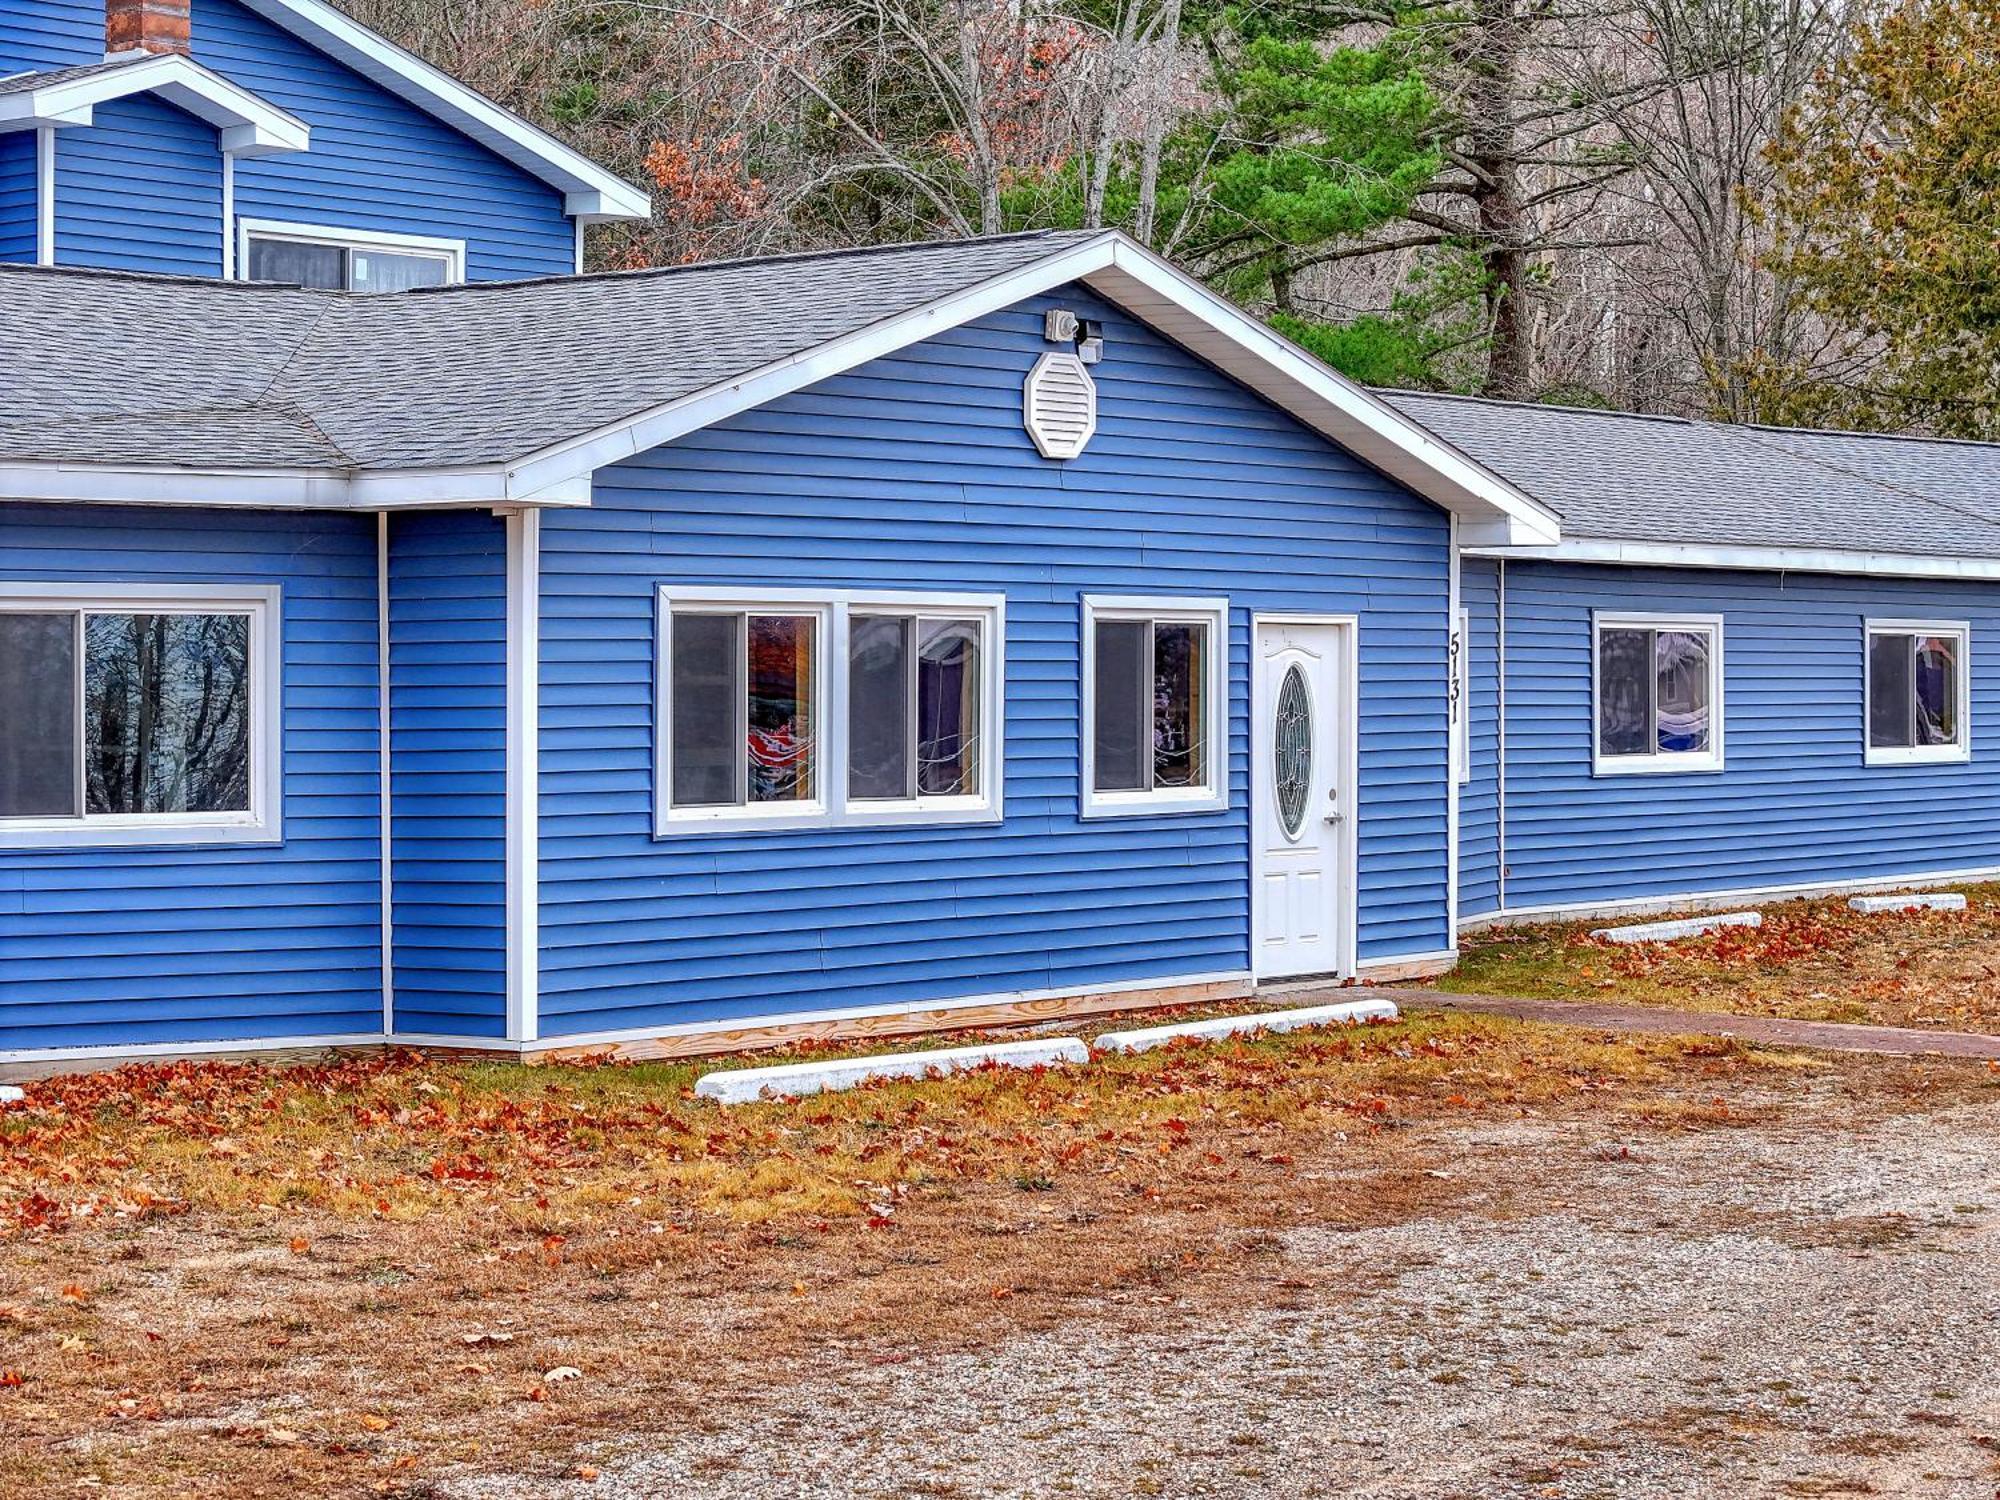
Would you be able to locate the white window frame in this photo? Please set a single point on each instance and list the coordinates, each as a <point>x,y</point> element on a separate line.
<point>1660,762</point>
<point>1157,801</point>
<point>831,807</point>
<point>1955,753</point>
<point>262,823</point>
<point>451,252</point>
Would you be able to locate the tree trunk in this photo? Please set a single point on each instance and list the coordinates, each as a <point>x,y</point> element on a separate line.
<point>1158,106</point>
<point>1504,230</point>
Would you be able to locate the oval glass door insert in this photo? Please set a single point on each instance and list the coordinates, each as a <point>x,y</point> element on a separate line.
<point>1292,750</point>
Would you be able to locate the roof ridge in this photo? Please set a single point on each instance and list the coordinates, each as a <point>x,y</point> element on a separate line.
<point>779,258</point>
<point>1511,405</point>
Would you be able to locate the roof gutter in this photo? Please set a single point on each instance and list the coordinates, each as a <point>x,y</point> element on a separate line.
<point>1757,559</point>
<point>278,488</point>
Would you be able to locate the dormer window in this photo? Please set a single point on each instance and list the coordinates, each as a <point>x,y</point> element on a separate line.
<point>347,260</point>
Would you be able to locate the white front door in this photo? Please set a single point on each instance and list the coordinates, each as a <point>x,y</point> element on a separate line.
<point>1301,808</point>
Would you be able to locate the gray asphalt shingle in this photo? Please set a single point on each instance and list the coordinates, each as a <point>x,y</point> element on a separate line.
<point>1612,476</point>
<point>457,376</point>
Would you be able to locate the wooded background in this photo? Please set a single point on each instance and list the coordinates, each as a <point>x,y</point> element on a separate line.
<point>1758,210</point>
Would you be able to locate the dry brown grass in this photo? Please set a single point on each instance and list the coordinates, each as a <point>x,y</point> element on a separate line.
<point>1811,960</point>
<point>350,1278</point>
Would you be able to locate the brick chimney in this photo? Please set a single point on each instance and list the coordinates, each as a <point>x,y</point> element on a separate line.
<point>146,26</point>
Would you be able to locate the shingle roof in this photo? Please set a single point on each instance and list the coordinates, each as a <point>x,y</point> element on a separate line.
<point>1612,476</point>
<point>23,83</point>
<point>117,368</point>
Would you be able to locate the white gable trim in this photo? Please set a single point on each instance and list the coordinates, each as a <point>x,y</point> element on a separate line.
<point>591,193</point>
<point>1493,510</point>
<point>1757,559</point>
<point>249,126</point>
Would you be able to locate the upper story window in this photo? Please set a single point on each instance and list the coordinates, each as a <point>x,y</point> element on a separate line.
<point>137,717</point>
<point>1918,679</point>
<point>1658,688</point>
<point>1154,705</point>
<point>347,259</point>
<point>788,708</point>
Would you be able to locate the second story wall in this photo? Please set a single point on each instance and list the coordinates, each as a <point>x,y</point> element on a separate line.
<point>142,186</point>
<point>378,163</point>
<point>140,189</point>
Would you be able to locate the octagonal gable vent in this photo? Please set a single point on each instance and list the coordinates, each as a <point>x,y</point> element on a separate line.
<point>1059,405</point>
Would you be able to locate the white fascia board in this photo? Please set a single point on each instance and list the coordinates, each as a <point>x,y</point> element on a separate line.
<point>589,188</point>
<point>1756,559</point>
<point>1157,294</point>
<point>276,489</point>
<point>249,125</point>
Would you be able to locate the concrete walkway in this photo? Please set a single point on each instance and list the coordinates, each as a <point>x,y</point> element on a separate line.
<point>1832,1036</point>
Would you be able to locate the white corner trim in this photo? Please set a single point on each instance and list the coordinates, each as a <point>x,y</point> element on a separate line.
<point>1351,1013</point>
<point>1959,750</point>
<point>1662,762</point>
<point>1156,293</point>
<point>263,823</point>
<point>1212,611</point>
<point>248,124</point>
<point>591,192</point>
<point>451,252</point>
<point>45,196</point>
<point>1458,723</point>
<point>385,780</point>
<point>1757,559</point>
<point>229,260</point>
<point>523,774</point>
<point>801,1080</point>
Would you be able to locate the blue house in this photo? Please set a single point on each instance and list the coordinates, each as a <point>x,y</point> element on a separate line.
<point>405,637</point>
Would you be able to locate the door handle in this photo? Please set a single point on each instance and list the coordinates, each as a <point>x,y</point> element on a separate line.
<point>1336,817</point>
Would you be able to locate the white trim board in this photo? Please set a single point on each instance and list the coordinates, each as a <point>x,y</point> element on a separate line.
<point>1755,559</point>
<point>274,489</point>
<point>591,193</point>
<point>1563,911</point>
<point>523,774</point>
<point>248,125</point>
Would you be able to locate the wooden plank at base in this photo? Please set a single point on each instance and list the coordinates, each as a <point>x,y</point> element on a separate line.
<point>995,1017</point>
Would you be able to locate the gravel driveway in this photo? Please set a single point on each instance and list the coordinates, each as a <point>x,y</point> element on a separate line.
<point>1781,1310</point>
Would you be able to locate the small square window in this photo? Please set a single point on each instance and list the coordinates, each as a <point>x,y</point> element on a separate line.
<point>1918,682</point>
<point>1154,706</point>
<point>1658,693</point>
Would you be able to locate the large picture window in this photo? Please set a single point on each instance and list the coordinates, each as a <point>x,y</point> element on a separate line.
<point>791,709</point>
<point>1917,681</point>
<point>140,718</point>
<point>1154,705</point>
<point>1658,682</point>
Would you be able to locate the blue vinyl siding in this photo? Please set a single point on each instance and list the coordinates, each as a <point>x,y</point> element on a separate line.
<point>37,35</point>
<point>18,197</point>
<point>1479,798</point>
<point>377,162</point>
<point>140,189</point>
<point>914,472</point>
<point>200,944</point>
<point>447,748</point>
<point>1794,803</point>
